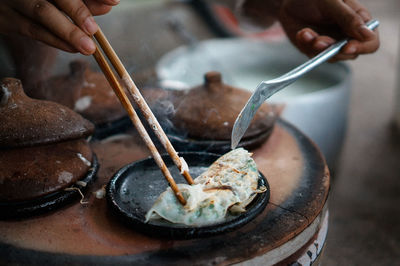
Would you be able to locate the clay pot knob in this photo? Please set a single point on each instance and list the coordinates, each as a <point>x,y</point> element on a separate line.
<point>213,80</point>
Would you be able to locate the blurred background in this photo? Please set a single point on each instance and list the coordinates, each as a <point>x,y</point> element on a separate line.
<point>365,195</point>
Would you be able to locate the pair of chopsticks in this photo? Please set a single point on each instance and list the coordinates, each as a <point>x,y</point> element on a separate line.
<point>143,107</point>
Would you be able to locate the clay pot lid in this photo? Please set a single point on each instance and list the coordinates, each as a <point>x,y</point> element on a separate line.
<point>27,122</point>
<point>85,91</point>
<point>210,110</point>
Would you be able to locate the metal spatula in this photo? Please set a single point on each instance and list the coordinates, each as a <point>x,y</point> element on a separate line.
<point>268,88</point>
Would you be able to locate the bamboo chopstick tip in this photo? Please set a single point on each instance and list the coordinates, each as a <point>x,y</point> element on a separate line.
<point>180,197</point>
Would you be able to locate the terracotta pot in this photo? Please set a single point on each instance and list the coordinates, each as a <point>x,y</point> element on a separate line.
<point>202,118</point>
<point>42,147</point>
<point>85,91</point>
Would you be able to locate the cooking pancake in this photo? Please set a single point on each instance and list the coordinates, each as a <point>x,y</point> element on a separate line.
<point>228,185</point>
<point>131,196</point>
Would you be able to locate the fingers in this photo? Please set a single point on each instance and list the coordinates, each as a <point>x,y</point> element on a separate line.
<point>44,13</point>
<point>29,28</point>
<point>350,16</point>
<point>96,8</point>
<point>79,13</point>
<point>311,43</point>
<point>100,7</point>
<point>359,9</point>
<point>47,21</point>
<point>313,25</point>
<point>319,43</point>
<point>107,2</point>
<point>305,40</point>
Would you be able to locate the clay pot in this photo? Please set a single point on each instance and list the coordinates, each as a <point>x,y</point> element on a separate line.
<point>31,172</point>
<point>42,145</point>
<point>27,122</point>
<point>85,91</point>
<point>208,112</point>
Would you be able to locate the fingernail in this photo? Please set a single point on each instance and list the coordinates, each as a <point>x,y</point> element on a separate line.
<point>307,36</point>
<point>87,44</point>
<point>115,1</point>
<point>321,45</point>
<point>350,50</point>
<point>365,32</point>
<point>90,26</point>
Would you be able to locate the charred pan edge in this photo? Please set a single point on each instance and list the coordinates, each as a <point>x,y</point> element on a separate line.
<point>108,129</point>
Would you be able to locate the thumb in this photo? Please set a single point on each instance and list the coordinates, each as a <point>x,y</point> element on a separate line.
<point>347,15</point>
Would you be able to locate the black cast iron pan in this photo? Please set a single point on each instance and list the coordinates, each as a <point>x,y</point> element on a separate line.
<point>134,188</point>
<point>48,203</point>
<point>110,128</point>
<point>182,143</point>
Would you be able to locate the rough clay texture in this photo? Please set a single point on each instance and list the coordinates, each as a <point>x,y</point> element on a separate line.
<point>31,172</point>
<point>28,122</point>
<point>83,90</point>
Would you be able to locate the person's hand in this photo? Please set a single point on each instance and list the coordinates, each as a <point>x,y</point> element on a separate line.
<point>313,25</point>
<point>47,21</point>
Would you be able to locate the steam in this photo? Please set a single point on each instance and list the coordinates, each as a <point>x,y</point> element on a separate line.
<point>210,113</point>
<point>165,110</point>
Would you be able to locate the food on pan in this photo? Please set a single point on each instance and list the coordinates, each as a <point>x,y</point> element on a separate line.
<point>227,186</point>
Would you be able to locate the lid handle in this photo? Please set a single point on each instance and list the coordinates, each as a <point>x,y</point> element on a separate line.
<point>213,80</point>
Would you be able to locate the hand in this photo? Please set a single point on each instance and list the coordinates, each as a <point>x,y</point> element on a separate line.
<point>313,25</point>
<point>47,21</point>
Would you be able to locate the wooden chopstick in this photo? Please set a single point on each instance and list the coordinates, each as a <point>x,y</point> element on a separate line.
<point>119,91</point>
<point>141,103</point>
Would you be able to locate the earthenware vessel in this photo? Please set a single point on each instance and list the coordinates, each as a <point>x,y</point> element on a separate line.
<point>202,118</point>
<point>88,93</point>
<point>43,152</point>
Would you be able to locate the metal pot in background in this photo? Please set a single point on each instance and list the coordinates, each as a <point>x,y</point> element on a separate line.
<point>317,103</point>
